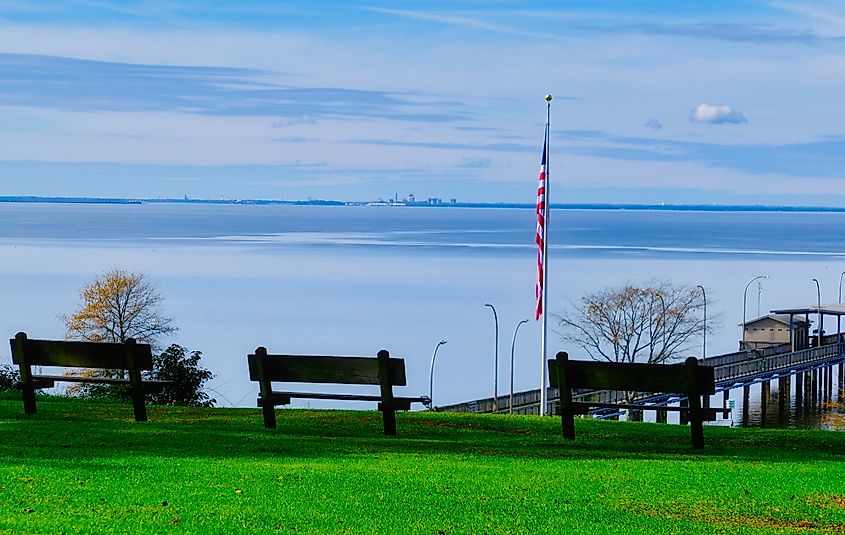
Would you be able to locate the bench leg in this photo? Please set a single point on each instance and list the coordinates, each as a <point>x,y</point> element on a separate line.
<point>567,412</point>
<point>567,421</point>
<point>696,423</point>
<point>136,387</point>
<point>568,425</point>
<point>697,431</point>
<point>697,390</point>
<point>388,409</point>
<point>265,389</point>
<point>269,412</point>
<point>28,391</point>
<point>683,416</point>
<point>139,407</point>
<point>389,417</point>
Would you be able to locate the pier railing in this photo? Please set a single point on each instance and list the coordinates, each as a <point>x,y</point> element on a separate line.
<point>755,365</point>
<point>741,356</point>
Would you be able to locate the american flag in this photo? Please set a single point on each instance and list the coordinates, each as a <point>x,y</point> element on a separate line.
<point>541,225</point>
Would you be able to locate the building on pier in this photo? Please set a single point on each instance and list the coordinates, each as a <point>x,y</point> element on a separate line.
<point>774,329</point>
<point>803,339</point>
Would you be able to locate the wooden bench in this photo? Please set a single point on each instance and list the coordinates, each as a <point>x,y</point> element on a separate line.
<point>382,370</point>
<point>130,356</point>
<point>688,379</point>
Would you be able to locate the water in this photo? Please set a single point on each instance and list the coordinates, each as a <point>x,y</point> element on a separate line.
<point>351,280</point>
<point>802,401</point>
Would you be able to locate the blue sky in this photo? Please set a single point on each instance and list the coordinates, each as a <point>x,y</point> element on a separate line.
<point>679,102</point>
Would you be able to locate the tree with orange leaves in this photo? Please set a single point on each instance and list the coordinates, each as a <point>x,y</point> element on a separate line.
<point>117,306</point>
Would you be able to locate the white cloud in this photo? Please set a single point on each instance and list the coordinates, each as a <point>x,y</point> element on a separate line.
<point>715,114</point>
<point>830,16</point>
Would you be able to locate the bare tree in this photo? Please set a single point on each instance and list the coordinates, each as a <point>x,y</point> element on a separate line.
<point>654,323</point>
<point>117,306</point>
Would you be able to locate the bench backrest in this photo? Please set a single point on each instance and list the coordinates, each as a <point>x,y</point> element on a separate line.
<point>637,377</point>
<point>325,369</point>
<point>80,354</point>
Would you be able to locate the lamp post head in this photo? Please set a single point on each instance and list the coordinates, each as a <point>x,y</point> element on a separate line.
<point>548,98</point>
<point>754,279</point>
<point>441,342</point>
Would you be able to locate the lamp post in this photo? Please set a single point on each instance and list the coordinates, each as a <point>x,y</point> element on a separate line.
<point>431,374</point>
<point>513,344</point>
<point>704,344</point>
<point>819,310</point>
<point>662,327</point>
<point>839,316</point>
<point>495,361</point>
<point>744,301</point>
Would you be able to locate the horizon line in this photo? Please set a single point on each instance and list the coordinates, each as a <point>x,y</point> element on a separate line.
<point>713,207</point>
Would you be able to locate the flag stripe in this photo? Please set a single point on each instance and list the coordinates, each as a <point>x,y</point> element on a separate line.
<point>541,225</point>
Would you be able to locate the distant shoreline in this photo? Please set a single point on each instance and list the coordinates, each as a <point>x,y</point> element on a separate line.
<point>320,202</point>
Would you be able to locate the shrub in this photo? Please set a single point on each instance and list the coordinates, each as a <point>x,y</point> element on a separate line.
<point>9,378</point>
<point>177,365</point>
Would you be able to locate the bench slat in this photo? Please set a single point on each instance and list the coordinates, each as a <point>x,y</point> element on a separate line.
<point>710,413</point>
<point>638,377</point>
<point>283,398</point>
<point>102,380</point>
<point>324,369</point>
<point>341,397</point>
<point>81,354</point>
<point>317,395</point>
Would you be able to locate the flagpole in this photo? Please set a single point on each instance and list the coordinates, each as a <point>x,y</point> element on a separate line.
<point>544,302</point>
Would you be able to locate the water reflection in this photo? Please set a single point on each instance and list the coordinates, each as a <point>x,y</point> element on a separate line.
<point>803,400</point>
<point>814,399</point>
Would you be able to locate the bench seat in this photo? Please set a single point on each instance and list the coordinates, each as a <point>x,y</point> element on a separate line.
<point>48,381</point>
<point>283,398</point>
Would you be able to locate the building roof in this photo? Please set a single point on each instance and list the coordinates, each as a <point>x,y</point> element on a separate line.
<point>836,309</point>
<point>780,318</point>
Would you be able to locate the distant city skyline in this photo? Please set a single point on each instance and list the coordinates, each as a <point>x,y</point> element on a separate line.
<point>727,102</point>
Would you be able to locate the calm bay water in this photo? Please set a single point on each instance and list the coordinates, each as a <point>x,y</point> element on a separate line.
<point>351,280</point>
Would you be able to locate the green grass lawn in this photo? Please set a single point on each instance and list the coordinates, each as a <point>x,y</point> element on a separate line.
<point>84,467</point>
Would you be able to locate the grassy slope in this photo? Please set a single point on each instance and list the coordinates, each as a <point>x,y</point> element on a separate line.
<point>88,467</point>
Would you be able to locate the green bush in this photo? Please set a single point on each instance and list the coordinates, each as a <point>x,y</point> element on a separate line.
<point>9,378</point>
<point>177,365</point>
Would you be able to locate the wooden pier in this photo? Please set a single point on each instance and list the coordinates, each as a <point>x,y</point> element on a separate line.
<point>811,370</point>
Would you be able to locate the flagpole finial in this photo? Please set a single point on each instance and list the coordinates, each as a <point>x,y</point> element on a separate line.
<point>548,98</point>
